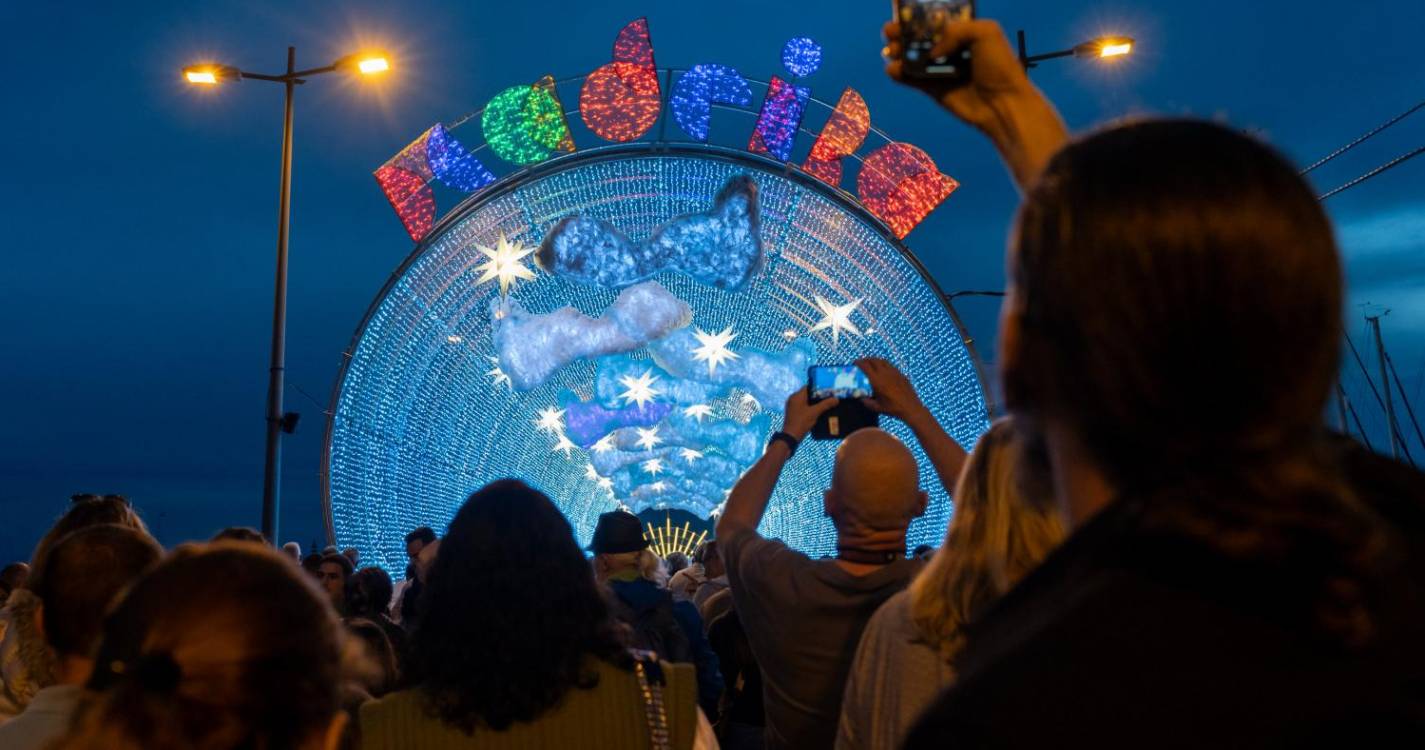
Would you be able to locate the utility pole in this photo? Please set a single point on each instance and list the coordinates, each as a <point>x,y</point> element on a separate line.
<point>1374,320</point>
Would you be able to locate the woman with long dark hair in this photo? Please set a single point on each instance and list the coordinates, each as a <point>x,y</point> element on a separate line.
<point>1171,329</point>
<point>516,646</point>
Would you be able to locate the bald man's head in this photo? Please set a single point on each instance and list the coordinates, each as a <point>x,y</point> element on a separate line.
<point>876,484</point>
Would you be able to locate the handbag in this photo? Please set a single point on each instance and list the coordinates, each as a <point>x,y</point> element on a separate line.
<point>650,684</point>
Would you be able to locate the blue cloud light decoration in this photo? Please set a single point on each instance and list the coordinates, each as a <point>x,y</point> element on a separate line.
<point>720,247</point>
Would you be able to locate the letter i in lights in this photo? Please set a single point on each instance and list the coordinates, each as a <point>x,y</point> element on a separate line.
<point>782,110</point>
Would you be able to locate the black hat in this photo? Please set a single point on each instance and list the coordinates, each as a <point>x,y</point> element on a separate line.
<point>618,531</point>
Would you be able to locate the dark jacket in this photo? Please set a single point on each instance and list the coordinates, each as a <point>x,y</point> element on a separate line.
<point>639,597</point>
<point>1127,637</point>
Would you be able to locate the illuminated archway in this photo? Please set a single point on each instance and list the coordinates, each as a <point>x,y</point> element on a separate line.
<point>422,416</point>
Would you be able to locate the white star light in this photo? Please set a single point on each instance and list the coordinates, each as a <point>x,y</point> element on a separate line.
<point>653,466</point>
<point>658,486</point>
<point>550,420</point>
<point>640,390</point>
<point>505,263</point>
<point>606,483</point>
<point>564,444</point>
<point>836,317</point>
<point>603,444</point>
<point>714,349</point>
<point>590,472</point>
<point>698,411</point>
<point>648,439</point>
<point>691,455</point>
<point>497,375</point>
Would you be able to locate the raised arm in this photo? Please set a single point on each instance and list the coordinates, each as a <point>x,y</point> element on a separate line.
<point>999,99</point>
<point>748,501</point>
<point>896,397</point>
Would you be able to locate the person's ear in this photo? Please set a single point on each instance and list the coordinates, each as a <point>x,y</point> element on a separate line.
<point>331,739</point>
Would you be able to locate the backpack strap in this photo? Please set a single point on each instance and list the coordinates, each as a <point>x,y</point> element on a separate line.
<point>650,683</point>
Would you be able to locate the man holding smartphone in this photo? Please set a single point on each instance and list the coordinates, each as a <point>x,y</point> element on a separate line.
<point>804,617</point>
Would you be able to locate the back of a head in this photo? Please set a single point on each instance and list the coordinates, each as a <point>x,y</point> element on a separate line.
<point>368,592</point>
<point>1176,300</point>
<point>220,646</point>
<point>511,613</point>
<point>81,575</point>
<point>89,511</point>
<point>423,534</point>
<point>1179,293</point>
<point>876,481</point>
<point>1005,523</point>
<point>239,534</point>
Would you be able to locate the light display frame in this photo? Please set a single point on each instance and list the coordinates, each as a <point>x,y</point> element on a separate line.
<point>401,452</point>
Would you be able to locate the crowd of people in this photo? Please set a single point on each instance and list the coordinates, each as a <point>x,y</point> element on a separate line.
<point>1161,545</point>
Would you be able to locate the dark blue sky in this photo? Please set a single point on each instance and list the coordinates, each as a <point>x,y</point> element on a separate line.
<point>139,216</point>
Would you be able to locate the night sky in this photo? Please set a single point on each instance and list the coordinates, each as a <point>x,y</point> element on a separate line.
<point>139,214</point>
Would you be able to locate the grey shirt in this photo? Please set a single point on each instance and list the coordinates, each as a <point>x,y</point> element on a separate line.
<point>895,677</point>
<point>803,618</point>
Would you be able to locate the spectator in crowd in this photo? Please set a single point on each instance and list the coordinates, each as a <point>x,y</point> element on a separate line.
<point>12,577</point>
<point>82,573</point>
<point>518,648</point>
<point>240,534</point>
<point>333,573</point>
<point>715,575</point>
<point>684,583</point>
<point>742,721</point>
<point>312,563</point>
<point>368,597</point>
<point>409,596</point>
<point>294,551</point>
<point>1172,330</point>
<point>26,663</point>
<point>1005,522</point>
<point>672,630</point>
<point>354,555</point>
<point>674,562</point>
<point>384,674</point>
<point>804,617</point>
<point>220,646</point>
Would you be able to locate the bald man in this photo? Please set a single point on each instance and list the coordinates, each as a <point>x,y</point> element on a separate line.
<point>804,617</point>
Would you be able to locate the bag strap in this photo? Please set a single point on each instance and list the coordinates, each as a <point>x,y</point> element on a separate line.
<point>650,684</point>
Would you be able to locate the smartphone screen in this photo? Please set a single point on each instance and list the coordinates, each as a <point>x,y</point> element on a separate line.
<point>920,22</point>
<point>838,381</point>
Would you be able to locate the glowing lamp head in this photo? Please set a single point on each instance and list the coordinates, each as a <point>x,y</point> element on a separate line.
<point>373,64</point>
<point>209,75</point>
<point>1106,47</point>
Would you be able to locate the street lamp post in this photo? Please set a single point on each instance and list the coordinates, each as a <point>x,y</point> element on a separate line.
<point>277,420</point>
<point>1102,47</point>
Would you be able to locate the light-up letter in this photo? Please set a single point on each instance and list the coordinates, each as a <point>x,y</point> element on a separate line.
<point>620,100</point>
<point>844,132</point>
<point>525,124</point>
<point>900,185</point>
<point>698,89</point>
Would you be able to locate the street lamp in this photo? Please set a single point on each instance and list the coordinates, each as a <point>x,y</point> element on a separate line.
<point>1102,48</point>
<point>370,63</point>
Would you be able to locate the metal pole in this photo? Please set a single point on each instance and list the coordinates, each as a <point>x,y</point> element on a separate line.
<point>272,471</point>
<point>1384,378</point>
<point>1343,425</point>
<point>1023,53</point>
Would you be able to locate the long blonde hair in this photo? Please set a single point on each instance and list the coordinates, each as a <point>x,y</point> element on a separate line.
<point>1005,523</point>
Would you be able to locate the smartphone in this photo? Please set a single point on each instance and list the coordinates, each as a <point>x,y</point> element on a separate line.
<point>849,384</point>
<point>920,22</point>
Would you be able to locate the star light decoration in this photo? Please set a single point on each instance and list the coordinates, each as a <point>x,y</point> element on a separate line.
<point>603,444</point>
<point>591,473</point>
<point>648,439</point>
<point>640,390</point>
<point>550,420</point>
<point>713,348</point>
<point>658,486</point>
<point>505,263</point>
<point>564,444</point>
<point>837,318</point>
<point>653,466</point>
<point>606,483</point>
<point>497,375</point>
<point>698,411</point>
<point>691,455</point>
